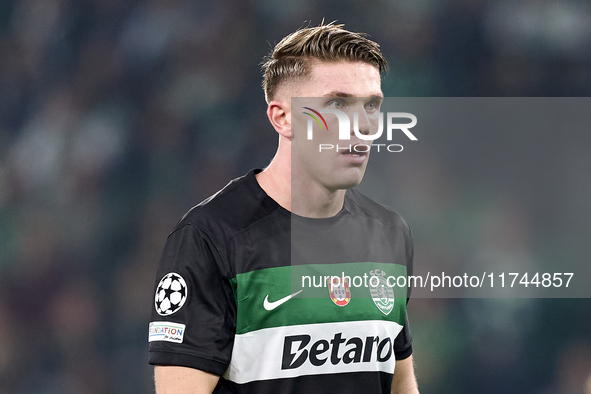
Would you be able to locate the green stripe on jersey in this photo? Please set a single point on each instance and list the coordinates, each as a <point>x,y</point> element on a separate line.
<point>314,304</point>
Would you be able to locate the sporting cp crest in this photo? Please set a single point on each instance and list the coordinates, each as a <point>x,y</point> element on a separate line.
<point>382,294</point>
<point>341,294</point>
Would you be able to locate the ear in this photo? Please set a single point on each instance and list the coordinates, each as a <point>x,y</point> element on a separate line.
<point>279,114</point>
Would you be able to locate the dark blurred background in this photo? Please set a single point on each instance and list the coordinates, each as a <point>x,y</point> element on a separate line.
<point>117,116</point>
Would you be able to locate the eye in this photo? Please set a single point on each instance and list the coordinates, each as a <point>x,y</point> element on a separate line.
<point>336,104</point>
<point>372,106</point>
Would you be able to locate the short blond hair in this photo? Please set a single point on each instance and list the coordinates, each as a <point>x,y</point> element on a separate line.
<point>292,56</point>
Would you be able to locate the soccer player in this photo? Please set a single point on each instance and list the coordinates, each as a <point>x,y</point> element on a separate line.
<point>228,316</point>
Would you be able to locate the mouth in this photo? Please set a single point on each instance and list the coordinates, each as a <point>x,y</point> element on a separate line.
<point>356,150</point>
<point>357,153</point>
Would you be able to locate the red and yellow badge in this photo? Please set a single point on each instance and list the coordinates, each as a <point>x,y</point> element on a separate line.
<point>339,291</point>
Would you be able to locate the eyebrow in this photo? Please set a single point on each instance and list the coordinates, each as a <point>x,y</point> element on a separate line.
<point>336,93</point>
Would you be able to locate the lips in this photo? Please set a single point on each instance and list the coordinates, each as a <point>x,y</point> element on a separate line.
<point>356,150</point>
<point>356,154</point>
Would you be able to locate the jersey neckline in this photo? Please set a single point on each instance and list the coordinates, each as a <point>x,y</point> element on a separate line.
<point>301,221</point>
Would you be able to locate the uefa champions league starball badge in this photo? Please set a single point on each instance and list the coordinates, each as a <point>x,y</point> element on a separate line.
<point>381,293</point>
<point>171,294</point>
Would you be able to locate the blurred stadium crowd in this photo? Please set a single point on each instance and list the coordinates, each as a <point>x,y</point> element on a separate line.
<point>117,116</point>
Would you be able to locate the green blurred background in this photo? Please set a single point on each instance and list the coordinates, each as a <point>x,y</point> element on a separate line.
<point>117,116</point>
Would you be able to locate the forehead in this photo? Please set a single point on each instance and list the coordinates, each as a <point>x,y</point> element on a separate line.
<point>358,79</point>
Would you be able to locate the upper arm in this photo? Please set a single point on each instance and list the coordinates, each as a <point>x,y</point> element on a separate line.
<point>182,380</point>
<point>193,317</point>
<point>404,381</point>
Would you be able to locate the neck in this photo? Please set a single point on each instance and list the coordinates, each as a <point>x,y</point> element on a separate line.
<point>312,200</point>
<point>275,180</point>
<point>299,196</point>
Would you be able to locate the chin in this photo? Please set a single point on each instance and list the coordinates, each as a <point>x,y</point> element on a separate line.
<point>349,182</point>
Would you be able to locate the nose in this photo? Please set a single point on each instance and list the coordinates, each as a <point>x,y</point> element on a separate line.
<point>361,123</point>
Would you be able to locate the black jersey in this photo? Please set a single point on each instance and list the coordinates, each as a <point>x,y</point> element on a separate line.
<point>247,291</point>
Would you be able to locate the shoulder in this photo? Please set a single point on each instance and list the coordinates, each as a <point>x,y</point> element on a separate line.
<point>362,205</point>
<point>240,203</point>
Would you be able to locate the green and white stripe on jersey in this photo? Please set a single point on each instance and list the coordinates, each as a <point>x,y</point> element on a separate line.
<point>278,336</point>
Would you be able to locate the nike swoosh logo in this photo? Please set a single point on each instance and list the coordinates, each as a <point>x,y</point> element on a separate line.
<point>272,305</point>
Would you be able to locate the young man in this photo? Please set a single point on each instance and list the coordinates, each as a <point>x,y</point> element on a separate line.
<point>228,316</point>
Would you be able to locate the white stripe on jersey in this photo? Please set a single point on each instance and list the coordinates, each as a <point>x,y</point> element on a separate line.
<point>313,349</point>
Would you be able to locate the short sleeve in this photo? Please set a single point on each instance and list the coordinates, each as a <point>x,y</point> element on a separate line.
<point>403,342</point>
<point>193,320</point>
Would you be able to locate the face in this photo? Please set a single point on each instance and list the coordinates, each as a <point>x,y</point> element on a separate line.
<point>326,159</point>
